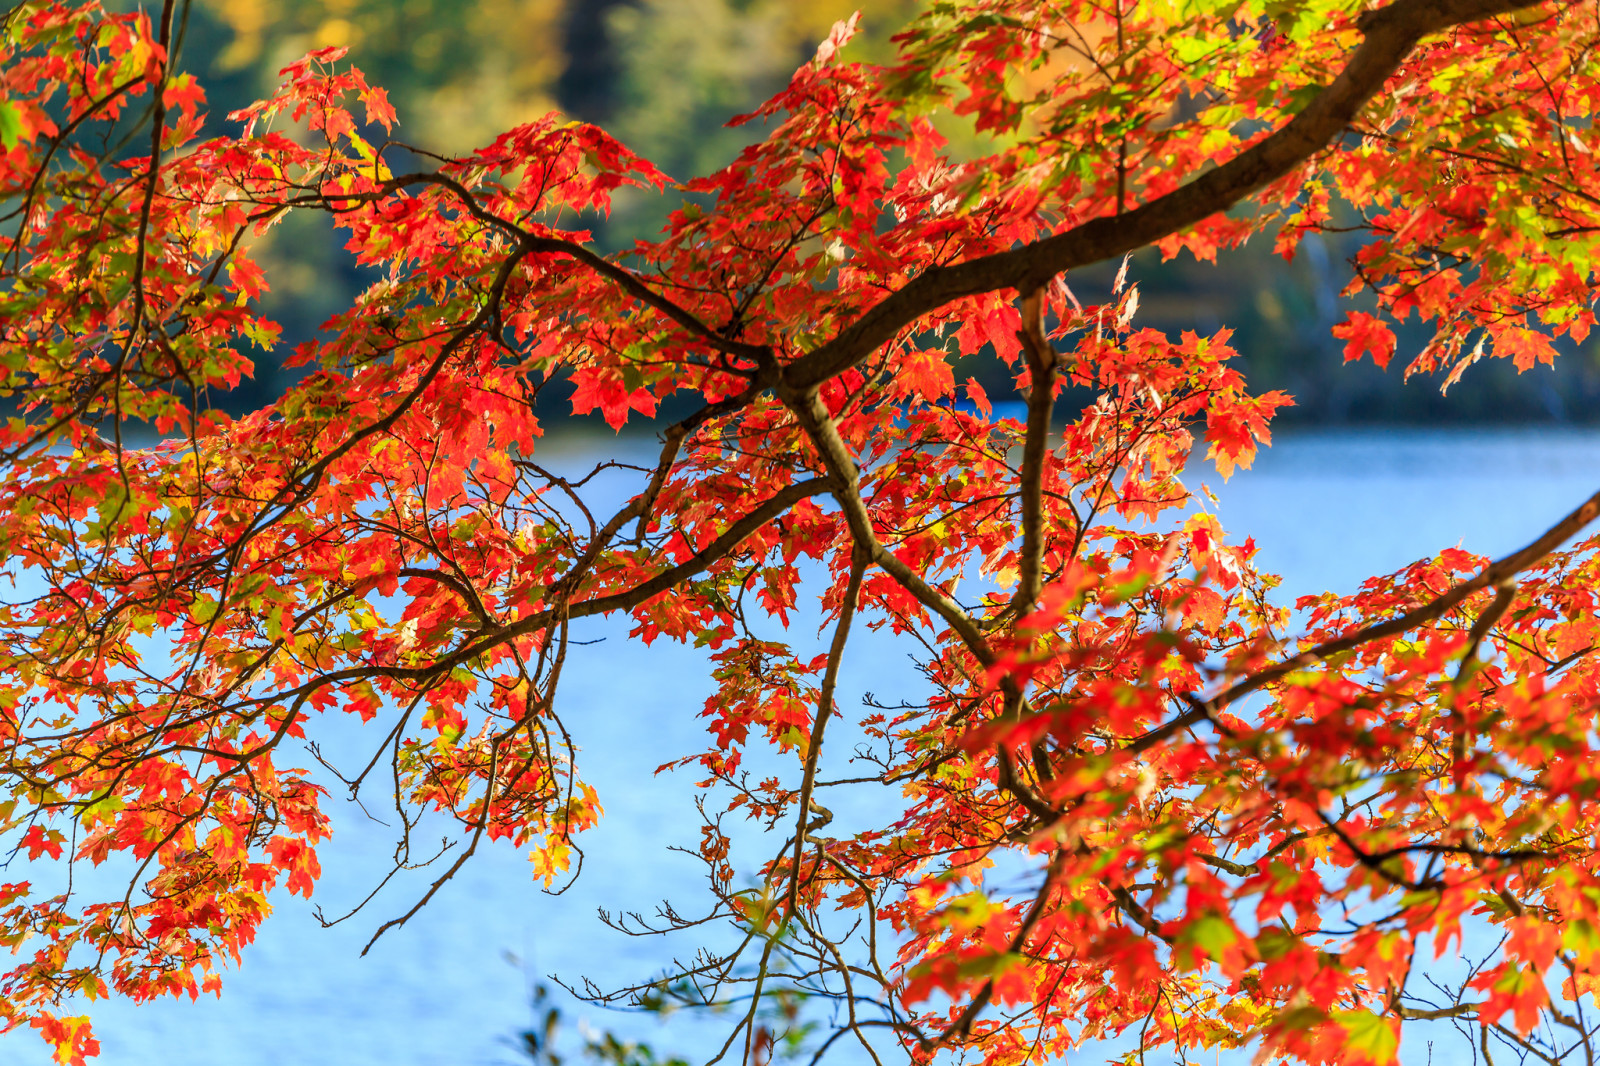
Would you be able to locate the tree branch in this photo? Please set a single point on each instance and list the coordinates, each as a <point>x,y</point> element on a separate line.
<point>1498,573</point>
<point>962,1026</point>
<point>1390,34</point>
<point>830,679</point>
<point>813,416</point>
<point>1041,400</point>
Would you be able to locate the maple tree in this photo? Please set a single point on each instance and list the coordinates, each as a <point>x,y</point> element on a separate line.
<point>1207,821</point>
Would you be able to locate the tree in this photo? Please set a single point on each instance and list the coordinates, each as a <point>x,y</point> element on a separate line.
<point>1230,824</point>
<point>474,68</point>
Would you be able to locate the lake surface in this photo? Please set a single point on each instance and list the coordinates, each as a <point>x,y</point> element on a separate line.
<point>1326,511</point>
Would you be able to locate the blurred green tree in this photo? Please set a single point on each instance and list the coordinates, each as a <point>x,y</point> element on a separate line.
<point>458,72</point>
<point>685,67</point>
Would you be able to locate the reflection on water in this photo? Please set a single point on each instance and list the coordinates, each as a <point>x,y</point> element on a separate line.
<point>1325,510</point>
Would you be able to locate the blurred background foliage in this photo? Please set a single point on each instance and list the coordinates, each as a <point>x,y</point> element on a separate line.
<point>664,76</point>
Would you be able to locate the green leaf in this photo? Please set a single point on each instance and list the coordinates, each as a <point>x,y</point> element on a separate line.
<point>1213,934</point>
<point>10,126</point>
<point>1369,1034</point>
<point>1581,936</point>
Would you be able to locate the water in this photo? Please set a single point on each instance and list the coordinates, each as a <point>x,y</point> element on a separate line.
<point>1326,511</point>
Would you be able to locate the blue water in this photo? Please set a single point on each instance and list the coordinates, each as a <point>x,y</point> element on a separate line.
<point>1326,511</point>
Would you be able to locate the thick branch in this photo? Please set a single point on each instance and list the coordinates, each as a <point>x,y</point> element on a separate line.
<point>1498,573</point>
<point>1459,1010</point>
<point>1390,34</point>
<point>1041,399</point>
<point>624,278</point>
<point>819,426</point>
<point>725,543</point>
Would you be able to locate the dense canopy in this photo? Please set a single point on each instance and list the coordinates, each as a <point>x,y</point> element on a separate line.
<point>1138,796</point>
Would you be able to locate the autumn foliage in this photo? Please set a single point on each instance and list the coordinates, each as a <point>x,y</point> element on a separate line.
<point>1208,819</point>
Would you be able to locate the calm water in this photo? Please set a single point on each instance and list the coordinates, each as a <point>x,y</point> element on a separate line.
<point>1326,511</point>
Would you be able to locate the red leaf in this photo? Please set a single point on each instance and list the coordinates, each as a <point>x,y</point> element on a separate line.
<point>1364,334</point>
